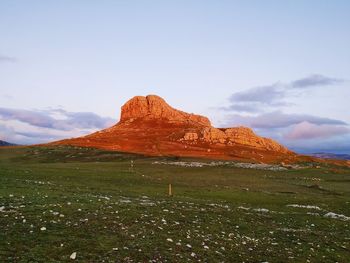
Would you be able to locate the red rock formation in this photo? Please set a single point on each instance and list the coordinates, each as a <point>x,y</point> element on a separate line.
<point>235,136</point>
<point>148,125</point>
<point>154,107</point>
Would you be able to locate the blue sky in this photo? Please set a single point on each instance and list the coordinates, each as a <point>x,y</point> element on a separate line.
<point>280,67</point>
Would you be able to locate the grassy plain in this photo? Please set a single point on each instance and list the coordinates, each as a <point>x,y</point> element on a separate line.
<point>57,201</point>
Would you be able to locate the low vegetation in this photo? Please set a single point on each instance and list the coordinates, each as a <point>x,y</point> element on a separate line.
<point>76,204</point>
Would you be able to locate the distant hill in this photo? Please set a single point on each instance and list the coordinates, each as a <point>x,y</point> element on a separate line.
<point>331,156</point>
<point>3,143</point>
<point>150,126</point>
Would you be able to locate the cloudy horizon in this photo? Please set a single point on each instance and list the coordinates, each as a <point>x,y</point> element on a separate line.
<point>282,69</point>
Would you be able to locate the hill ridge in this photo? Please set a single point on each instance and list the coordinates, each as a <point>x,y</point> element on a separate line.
<point>148,125</point>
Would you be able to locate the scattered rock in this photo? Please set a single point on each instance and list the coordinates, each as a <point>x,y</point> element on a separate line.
<point>337,216</point>
<point>190,136</point>
<point>73,255</point>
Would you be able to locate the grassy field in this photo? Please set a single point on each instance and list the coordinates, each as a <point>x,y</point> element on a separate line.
<point>91,205</point>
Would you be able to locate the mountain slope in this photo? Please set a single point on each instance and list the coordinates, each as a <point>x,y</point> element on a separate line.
<point>148,125</point>
<point>3,143</point>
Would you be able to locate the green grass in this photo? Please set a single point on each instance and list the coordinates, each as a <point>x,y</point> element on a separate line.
<point>93,203</point>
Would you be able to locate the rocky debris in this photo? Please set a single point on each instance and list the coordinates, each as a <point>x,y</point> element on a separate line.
<point>337,216</point>
<point>154,107</point>
<point>258,166</point>
<point>235,136</point>
<point>213,135</point>
<point>73,255</point>
<point>190,136</point>
<point>246,136</point>
<point>305,206</point>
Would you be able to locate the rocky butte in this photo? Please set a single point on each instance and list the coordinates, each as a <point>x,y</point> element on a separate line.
<point>150,126</point>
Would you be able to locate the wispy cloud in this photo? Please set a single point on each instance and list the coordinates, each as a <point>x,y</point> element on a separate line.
<point>7,59</point>
<point>39,126</point>
<point>26,134</point>
<point>257,98</point>
<point>44,119</point>
<point>300,132</point>
<point>242,107</point>
<point>315,80</point>
<point>6,132</point>
<point>83,120</point>
<point>265,94</point>
<point>276,95</point>
<point>278,119</point>
<point>306,130</point>
<point>7,96</point>
<point>33,118</point>
<point>254,99</point>
<point>37,135</point>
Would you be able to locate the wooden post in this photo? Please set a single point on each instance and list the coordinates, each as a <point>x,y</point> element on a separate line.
<point>170,190</point>
<point>132,165</point>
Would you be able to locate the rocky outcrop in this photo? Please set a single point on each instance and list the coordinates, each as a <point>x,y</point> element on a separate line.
<point>190,136</point>
<point>213,135</point>
<point>148,125</point>
<point>154,107</point>
<point>246,136</point>
<point>234,136</point>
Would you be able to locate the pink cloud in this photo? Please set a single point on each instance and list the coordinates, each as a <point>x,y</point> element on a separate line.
<point>307,130</point>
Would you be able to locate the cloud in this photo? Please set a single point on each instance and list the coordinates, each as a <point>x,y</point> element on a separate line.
<point>84,120</point>
<point>275,95</point>
<point>37,135</point>
<point>6,132</point>
<point>25,134</point>
<point>299,132</point>
<point>254,99</point>
<point>31,117</point>
<point>307,130</point>
<point>314,81</point>
<point>265,94</point>
<point>44,119</point>
<point>335,144</point>
<point>7,59</point>
<point>278,119</point>
<point>41,126</point>
<point>264,107</point>
<point>242,107</point>
<point>7,96</point>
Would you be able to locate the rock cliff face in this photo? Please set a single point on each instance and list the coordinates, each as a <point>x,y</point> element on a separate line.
<point>154,107</point>
<point>148,125</point>
<point>241,136</point>
<point>234,136</point>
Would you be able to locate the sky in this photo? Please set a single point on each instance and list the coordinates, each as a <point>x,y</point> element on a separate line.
<point>279,67</point>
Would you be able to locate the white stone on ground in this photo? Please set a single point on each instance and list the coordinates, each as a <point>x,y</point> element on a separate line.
<point>73,255</point>
<point>337,216</point>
